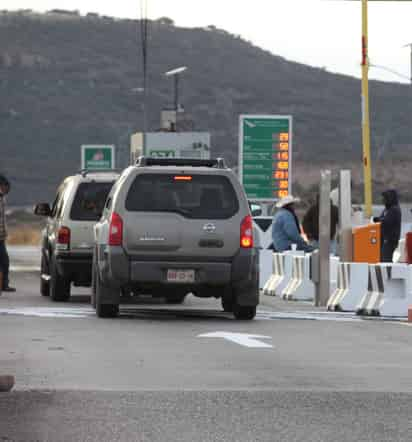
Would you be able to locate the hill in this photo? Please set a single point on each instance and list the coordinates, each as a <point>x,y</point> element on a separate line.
<point>66,80</point>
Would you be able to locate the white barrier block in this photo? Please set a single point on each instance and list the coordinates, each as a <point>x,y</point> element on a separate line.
<point>304,287</point>
<point>389,291</point>
<point>352,286</point>
<point>265,266</point>
<point>333,272</point>
<point>287,271</point>
<point>277,275</point>
<point>297,272</point>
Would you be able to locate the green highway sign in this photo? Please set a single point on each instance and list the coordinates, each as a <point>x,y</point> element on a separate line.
<point>98,157</point>
<point>265,156</point>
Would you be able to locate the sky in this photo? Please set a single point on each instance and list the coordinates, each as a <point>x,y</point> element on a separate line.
<point>321,33</point>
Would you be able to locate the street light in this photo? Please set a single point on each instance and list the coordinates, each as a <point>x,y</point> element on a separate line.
<point>175,73</point>
<point>142,90</point>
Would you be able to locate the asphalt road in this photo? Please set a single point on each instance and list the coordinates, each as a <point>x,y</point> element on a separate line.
<point>148,376</point>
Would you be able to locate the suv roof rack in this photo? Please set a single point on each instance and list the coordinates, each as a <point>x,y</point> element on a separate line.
<point>218,163</point>
<point>85,172</point>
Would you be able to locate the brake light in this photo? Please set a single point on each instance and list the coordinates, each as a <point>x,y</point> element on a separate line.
<point>246,233</point>
<point>63,238</point>
<point>183,178</point>
<point>116,230</point>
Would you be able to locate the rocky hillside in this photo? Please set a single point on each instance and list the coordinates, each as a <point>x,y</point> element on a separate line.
<point>66,80</point>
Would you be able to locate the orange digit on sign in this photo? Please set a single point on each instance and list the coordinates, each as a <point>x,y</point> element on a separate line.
<point>283,156</point>
<point>284,184</point>
<point>283,165</point>
<point>284,136</point>
<point>282,193</point>
<point>283,146</point>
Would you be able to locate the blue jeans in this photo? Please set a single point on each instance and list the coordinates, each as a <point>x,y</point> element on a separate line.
<point>4,263</point>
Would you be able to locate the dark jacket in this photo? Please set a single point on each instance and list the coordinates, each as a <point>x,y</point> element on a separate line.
<point>311,222</point>
<point>391,217</point>
<point>3,230</point>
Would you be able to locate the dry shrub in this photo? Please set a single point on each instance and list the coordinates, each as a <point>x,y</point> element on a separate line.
<point>24,235</point>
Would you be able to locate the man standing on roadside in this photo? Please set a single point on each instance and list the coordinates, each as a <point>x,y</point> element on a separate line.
<point>4,256</point>
<point>391,222</point>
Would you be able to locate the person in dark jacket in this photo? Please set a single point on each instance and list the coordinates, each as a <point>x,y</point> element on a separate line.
<point>310,225</point>
<point>4,257</point>
<point>391,220</point>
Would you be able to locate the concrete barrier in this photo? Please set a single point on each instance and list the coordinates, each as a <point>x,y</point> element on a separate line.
<point>265,266</point>
<point>333,272</point>
<point>352,286</point>
<point>287,271</point>
<point>389,291</point>
<point>300,287</point>
<point>278,273</point>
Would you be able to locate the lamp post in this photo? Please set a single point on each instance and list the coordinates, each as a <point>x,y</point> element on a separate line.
<point>142,90</point>
<point>175,73</point>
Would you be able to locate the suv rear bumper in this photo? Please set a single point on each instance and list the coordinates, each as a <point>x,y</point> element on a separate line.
<point>75,267</point>
<point>241,272</point>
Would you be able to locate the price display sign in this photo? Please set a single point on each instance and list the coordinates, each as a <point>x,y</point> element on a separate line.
<point>265,156</point>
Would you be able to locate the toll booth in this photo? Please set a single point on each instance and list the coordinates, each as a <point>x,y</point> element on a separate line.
<point>367,243</point>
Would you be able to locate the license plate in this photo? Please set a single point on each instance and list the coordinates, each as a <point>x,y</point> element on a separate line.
<point>181,276</point>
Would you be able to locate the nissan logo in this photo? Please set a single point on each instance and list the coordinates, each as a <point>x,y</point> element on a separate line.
<point>209,228</point>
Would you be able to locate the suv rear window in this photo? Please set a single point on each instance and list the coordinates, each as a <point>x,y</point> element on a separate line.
<point>193,196</point>
<point>89,201</point>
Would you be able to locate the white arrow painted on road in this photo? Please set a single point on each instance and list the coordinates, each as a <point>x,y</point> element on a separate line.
<point>244,339</point>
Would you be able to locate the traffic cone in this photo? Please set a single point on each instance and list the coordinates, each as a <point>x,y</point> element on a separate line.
<point>6,383</point>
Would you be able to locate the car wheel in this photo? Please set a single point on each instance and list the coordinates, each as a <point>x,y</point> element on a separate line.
<point>59,286</point>
<point>93,286</point>
<point>104,310</point>
<point>175,298</point>
<point>44,272</point>
<point>227,300</point>
<point>244,312</point>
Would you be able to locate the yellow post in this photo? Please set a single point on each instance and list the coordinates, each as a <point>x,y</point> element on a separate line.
<point>367,166</point>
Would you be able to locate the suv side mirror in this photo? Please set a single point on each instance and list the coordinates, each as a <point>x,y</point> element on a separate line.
<point>42,209</point>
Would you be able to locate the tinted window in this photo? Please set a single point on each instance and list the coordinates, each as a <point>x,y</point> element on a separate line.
<point>89,201</point>
<point>196,197</point>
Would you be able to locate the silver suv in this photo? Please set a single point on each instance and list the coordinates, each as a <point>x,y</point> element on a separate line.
<point>67,240</point>
<point>173,227</point>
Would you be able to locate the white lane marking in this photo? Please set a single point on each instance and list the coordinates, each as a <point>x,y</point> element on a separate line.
<point>312,316</point>
<point>50,312</point>
<point>86,312</point>
<point>244,339</point>
<point>24,268</point>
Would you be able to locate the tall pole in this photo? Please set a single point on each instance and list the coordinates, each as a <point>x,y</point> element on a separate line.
<point>176,98</point>
<point>410,47</point>
<point>367,166</point>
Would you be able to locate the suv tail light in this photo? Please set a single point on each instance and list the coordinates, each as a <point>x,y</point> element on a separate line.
<point>246,233</point>
<point>116,230</point>
<point>63,238</point>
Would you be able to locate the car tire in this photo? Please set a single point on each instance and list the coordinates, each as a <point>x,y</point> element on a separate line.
<point>44,284</point>
<point>59,286</point>
<point>93,285</point>
<point>227,300</point>
<point>175,298</point>
<point>104,310</point>
<point>243,312</point>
